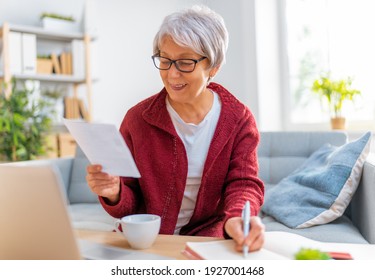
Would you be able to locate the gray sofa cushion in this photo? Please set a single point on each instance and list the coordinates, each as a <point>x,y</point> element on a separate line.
<point>280,153</point>
<point>79,191</point>
<point>341,230</point>
<point>91,216</point>
<point>64,166</point>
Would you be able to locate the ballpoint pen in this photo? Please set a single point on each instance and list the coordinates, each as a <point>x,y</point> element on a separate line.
<point>246,225</point>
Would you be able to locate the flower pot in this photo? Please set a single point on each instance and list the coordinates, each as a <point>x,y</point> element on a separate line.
<point>59,25</point>
<point>338,123</point>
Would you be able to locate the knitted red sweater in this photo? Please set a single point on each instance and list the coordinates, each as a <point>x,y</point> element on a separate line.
<point>230,175</point>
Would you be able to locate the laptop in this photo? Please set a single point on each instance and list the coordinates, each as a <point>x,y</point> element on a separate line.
<point>35,222</point>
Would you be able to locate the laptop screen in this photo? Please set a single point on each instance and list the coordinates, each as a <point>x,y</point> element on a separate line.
<point>34,221</point>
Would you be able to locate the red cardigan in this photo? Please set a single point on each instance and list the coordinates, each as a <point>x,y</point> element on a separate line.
<point>230,175</point>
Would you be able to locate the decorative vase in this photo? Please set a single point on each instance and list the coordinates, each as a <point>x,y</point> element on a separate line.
<point>338,123</point>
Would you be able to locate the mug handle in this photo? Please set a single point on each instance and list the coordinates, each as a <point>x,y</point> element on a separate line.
<point>117,224</point>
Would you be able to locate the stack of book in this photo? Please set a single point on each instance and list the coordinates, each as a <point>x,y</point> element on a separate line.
<point>75,108</point>
<point>62,64</point>
<point>22,53</point>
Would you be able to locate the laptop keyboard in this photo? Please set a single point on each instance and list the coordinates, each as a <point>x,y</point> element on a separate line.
<point>97,251</point>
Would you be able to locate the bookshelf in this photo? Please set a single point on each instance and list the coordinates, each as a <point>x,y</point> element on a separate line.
<point>79,73</point>
<point>21,62</point>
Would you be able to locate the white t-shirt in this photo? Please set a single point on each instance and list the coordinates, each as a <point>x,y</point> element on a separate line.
<point>197,139</point>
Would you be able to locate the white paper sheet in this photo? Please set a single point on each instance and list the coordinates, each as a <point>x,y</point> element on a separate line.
<point>103,144</point>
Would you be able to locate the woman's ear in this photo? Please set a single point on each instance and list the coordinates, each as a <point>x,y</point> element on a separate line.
<point>214,71</point>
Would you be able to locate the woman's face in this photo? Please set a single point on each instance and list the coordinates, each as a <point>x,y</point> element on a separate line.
<point>184,87</point>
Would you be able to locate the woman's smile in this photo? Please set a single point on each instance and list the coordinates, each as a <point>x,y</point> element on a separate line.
<point>177,87</point>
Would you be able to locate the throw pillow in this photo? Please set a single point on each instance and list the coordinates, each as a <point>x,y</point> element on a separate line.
<point>320,190</point>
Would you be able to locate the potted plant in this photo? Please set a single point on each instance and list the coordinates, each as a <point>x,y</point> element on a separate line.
<point>335,93</point>
<point>57,22</point>
<point>24,124</point>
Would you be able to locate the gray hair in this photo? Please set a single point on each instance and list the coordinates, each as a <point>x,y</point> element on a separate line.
<point>198,28</point>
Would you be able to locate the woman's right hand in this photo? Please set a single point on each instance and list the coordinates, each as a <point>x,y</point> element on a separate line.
<point>103,184</point>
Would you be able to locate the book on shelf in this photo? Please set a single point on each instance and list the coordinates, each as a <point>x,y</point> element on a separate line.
<point>71,108</point>
<point>82,110</point>
<point>78,58</point>
<point>75,108</point>
<point>66,63</point>
<point>28,53</point>
<point>63,63</point>
<point>55,63</point>
<point>15,52</point>
<point>277,246</point>
<point>69,63</point>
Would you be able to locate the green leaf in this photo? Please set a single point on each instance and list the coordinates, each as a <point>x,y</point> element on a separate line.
<point>311,254</point>
<point>23,124</point>
<point>335,92</point>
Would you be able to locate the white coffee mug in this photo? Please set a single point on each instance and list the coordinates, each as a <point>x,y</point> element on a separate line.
<point>140,230</point>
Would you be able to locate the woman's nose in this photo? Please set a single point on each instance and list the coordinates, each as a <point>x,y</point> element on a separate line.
<point>173,71</point>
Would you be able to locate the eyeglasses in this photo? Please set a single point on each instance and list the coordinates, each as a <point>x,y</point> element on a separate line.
<point>183,65</point>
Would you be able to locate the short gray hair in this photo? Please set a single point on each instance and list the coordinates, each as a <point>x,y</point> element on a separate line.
<point>198,28</point>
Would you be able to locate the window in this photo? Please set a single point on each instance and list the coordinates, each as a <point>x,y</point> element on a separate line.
<point>335,36</point>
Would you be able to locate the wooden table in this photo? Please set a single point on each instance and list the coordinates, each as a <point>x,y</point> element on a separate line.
<point>165,245</point>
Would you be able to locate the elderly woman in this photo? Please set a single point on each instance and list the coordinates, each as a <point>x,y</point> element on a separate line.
<point>194,143</point>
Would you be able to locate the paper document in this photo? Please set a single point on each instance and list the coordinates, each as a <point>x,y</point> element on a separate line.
<point>103,144</point>
<point>278,245</point>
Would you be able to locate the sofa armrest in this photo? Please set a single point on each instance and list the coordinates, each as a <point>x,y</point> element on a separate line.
<point>363,206</point>
<point>64,165</point>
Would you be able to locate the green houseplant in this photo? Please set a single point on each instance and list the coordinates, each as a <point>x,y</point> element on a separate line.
<point>24,124</point>
<point>58,22</point>
<point>336,93</point>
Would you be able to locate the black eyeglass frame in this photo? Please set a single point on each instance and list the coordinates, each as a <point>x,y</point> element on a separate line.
<point>171,61</point>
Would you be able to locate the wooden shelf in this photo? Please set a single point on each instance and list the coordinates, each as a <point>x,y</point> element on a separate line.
<point>47,34</point>
<point>49,78</point>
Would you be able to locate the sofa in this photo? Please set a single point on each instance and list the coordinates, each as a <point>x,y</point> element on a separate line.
<point>280,153</point>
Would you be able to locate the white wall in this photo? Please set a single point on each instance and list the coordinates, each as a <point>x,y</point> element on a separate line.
<point>28,12</point>
<point>125,31</point>
<point>239,74</point>
<point>268,67</point>
<point>127,75</point>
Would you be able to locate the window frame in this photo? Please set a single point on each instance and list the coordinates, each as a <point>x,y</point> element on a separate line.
<point>286,97</point>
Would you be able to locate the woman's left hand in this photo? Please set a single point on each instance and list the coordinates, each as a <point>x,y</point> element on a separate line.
<point>254,241</point>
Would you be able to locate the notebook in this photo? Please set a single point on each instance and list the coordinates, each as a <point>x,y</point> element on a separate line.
<point>35,223</point>
<point>278,245</point>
